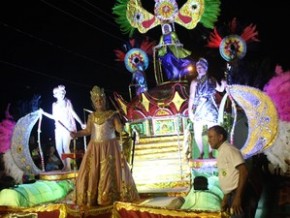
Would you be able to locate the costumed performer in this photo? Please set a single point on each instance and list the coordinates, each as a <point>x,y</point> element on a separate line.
<point>140,80</point>
<point>52,162</point>
<point>174,58</point>
<point>202,107</point>
<point>204,196</point>
<point>278,88</point>
<point>104,175</point>
<point>64,116</point>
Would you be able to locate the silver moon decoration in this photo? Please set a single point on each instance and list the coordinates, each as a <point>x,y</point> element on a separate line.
<point>262,118</point>
<point>20,143</point>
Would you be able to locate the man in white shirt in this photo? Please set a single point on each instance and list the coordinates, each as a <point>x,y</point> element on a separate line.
<point>232,171</point>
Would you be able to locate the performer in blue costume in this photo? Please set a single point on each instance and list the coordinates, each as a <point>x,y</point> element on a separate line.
<point>174,58</point>
<point>140,80</point>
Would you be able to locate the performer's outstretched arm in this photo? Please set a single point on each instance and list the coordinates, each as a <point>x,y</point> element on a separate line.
<point>47,114</point>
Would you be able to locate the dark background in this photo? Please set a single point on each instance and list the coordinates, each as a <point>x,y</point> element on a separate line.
<point>45,43</point>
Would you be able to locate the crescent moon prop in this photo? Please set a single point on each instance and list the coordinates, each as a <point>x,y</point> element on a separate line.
<point>234,113</point>
<point>20,143</point>
<point>232,46</point>
<point>262,118</point>
<point>134,58</point>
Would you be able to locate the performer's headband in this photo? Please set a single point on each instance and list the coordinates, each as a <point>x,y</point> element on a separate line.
<point>202,62</point>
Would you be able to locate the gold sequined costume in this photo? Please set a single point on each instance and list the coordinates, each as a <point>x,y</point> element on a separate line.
<point>104,175</point>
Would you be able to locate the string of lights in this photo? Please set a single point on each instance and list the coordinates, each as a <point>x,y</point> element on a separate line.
<point>96,15</point>
<point>58,46</point>
<point>49,76</point>
<point>81,20</point>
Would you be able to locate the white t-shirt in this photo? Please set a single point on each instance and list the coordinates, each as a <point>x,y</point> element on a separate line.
<point>228,158</point>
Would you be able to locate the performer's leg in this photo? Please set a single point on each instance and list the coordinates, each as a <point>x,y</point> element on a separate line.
<point>59,144</point>
<point>66,148</point>
<point>198,128</point>
<point>187,143</point>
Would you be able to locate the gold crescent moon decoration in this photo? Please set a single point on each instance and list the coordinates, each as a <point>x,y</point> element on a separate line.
<point>20,143</point>
<point>262,118</point>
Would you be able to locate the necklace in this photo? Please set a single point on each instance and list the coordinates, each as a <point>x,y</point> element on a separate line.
<point>201,79</point>
<point>101,116</point>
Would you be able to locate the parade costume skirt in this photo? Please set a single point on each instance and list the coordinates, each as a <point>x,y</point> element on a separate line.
<point>104,176</point>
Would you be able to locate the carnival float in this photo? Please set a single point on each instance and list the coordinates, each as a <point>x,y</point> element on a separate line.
<point>158,133</point>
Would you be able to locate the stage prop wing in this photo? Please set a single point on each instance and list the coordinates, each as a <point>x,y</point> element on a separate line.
<point>262,118</point>
<point>131,15</point>
<point>194,11</point>
<point>20,143</point>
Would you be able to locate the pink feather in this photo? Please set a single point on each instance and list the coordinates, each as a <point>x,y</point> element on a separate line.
<point>278,88</point>
<point>6,131</point>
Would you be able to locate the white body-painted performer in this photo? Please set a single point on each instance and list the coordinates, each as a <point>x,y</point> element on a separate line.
<point>64,116</point>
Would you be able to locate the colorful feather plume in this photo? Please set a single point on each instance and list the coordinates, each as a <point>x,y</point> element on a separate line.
<point>6,131</point>
<point>278,88</point>
<point>146,45</point>
<point>120,10</point>
<point>249,34</point>
<point>211,13</point>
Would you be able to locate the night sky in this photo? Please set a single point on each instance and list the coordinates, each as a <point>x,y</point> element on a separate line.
<point>45,43</point>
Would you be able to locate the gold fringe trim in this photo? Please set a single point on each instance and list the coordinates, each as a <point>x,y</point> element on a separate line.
<point>65,210</point>
<point>164,211</point>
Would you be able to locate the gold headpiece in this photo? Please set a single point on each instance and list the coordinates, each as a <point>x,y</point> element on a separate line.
<point>97,92</point>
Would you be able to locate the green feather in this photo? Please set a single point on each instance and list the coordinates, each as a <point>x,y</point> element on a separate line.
<point>120,10</point>
<point>211,13</point>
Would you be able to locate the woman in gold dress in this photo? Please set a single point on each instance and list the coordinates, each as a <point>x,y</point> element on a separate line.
<point>104,175</point>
